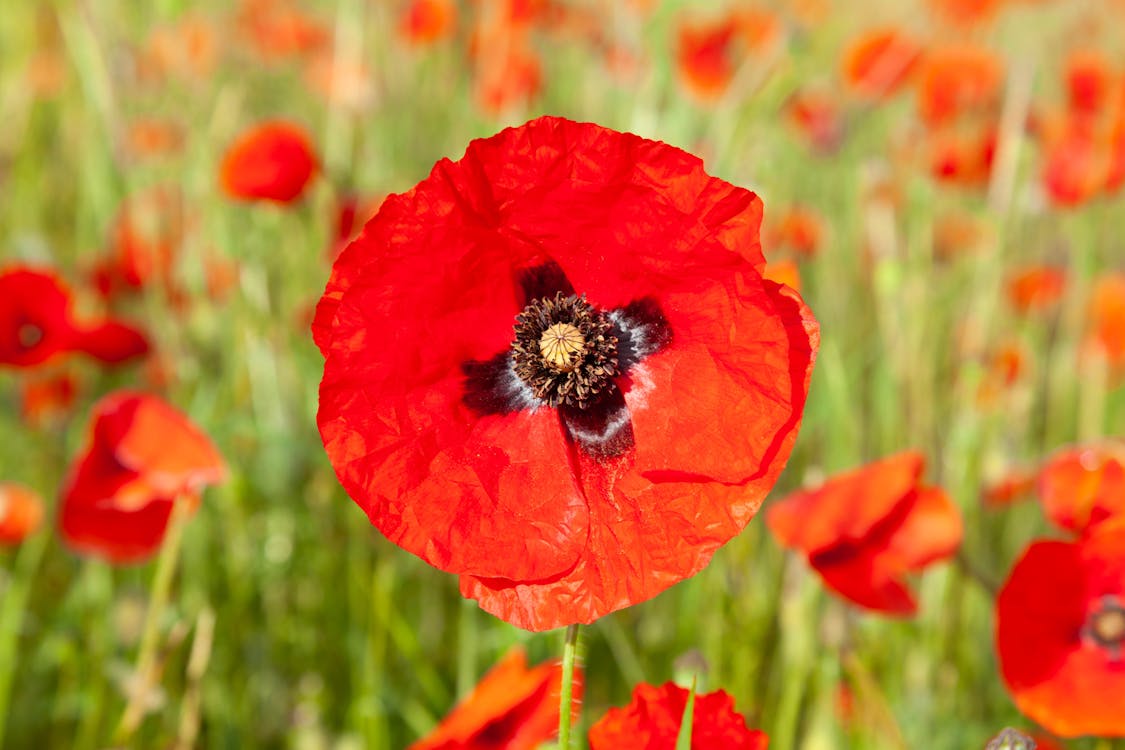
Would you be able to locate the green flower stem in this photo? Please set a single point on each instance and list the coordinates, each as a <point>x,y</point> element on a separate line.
<point>158,602</point>
<point>570,651</point>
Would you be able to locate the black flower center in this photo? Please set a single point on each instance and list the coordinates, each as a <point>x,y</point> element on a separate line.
<point>1107,625</point>
<point>569,355</point>
<point>565,350</point>
<point>29,335</point>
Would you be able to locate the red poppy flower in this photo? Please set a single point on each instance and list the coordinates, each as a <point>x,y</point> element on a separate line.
<point>1089,81</point>
<point>512,708</point>
<point>1084,486</point>
<point>816,116</point>
<point>37,324</point>
<point>956,80</point>
<point>965,12</point>
<point>21,512</point>
<point>709,54</point>
<point>43,399</point>
<point>1036,288</point>
<point>280,29</point>
<point>273,161</point>
<point>799,229</point>
<point>426,21</point>
<point>142,456</point>
<point>652,722</point>
<point>1010,488</point>
<point>631,421</point>
<point>864,530</point>
<point>507,71</point>
<point>1107,316</point>
<point>879,62</point>
<point>1060,630</point>
<point>143,243</point>
<point>963,157</point>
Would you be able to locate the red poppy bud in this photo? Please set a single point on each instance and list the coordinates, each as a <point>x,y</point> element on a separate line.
<point>273,161</point>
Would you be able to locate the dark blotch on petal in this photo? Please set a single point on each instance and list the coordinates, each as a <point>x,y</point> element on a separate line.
<point>543,282</point>
<point>641,330</point>
<point>604,429</point>
<point>491,388</point>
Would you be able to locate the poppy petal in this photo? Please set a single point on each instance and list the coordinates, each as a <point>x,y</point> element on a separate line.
<point>112,342</point>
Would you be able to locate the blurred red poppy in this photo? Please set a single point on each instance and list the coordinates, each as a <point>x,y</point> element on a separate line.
<point>511,708</point>
<point>37,324</point>
<point>627,426</point>
<point>879,62</point>
<point>1060,630</point>
<point>21,512</point>
<point>965,12</point>
<point>1010,488</point>
<point>46,398</point>
<point>1089,81</point>
<point>142,456</point>
<point>1107,316</point>
<point>143,243</point>
<point>817,118</point>
<point>273,161</point>
<point>1084,486</point>
<point>1036,288</point>
<point>652,722</point>
<point>865,529</point>
<point>709,54</point>
<point>798,229</point>
<point>427,21</point>
<point>507,72</point>
<point>963,156</point>
<point>280,29</point>
<point>956,80</point>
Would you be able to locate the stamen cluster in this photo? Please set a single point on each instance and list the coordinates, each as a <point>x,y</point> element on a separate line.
<point>565,351</point>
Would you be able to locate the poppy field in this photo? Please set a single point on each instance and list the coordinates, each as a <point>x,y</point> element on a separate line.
<point>516,374</point>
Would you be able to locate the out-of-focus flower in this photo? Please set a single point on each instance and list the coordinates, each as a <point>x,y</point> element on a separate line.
<point>1006,366</point>
<point>507,71</point>
<point>511,708</point>
<point>960,233</point>
<point>709,54</point>
<point>1036,288</point>
<point>1060,630</point>
<point>273,161</point>
<point>37,324</point>
<point>629,423</point>
<point>1107,317</point>
<point>816,116</point>
<point>652,721</point>
<point>142,456</point>
<point>965,12</point>
<point>1083,486</point>
<point>427,21</point>
<point>1016,485</point>
<point>1089,82</point>
<point>798,229</point>
<point>151,137</point>
<point>956,80</point>
<point>47,398</point>
<point>1076,165</point>
<point>961,156</point>
<point>864,530</point>
<point>143,243</point>
<point>186,50</point>
<point>878,63</point>
<point>21,512</point>
<point>278,29</point>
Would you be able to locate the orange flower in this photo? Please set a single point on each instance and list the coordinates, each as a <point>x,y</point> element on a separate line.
<point>1060,630</point>
<point>277,29</point>
<point>965,12</point>
<point>1010,488</point>
<point>508,73</point>
<point>956,80</point>
<point>1007,365</point>
<point>652,722</point>
<point>340,82</point>
<point>143,243</point>
<point>512,708</point>
<point>151,137</point>
<point>1036,288</point>
<point>817,119</point>
<point>141,458</point>
<point>1089,81</point>
<point>187,49</point>
<point>1084,486</point>
<point>1107,316</point>
<point>43,399</point>
<point>273,161</point>
<point>963,158</point>
<point>1076,165</point>
<point>21,512</point>
<point>799,229</point>
<point>865,529</point>
<point>427,21</point>
<point>709,54</point>
<point>877,63</point>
